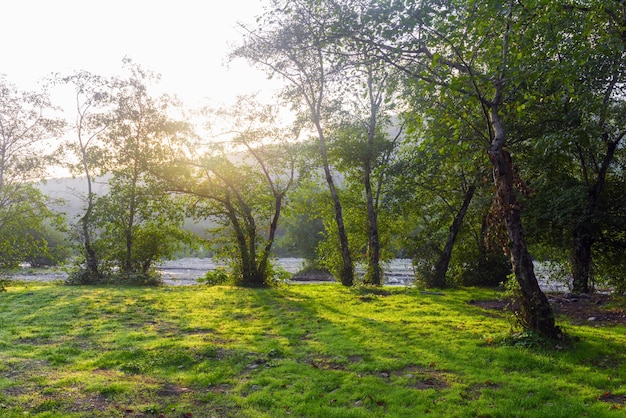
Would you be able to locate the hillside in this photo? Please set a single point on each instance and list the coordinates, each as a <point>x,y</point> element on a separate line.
<point>68,196</point>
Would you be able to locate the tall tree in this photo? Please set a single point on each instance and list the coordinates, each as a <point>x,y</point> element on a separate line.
<point>366,141</point>
<point>599,107</point>
<point>27,125</point>
<point>484,54</point>
<point>579,139</point>
<point>93,101</point>
<point>143,130</point>
<point>291,42</point>
<point>240,177</point>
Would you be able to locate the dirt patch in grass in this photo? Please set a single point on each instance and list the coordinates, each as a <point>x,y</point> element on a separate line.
<point>172,390</point>
<point>592,309</point>
<point>422,378</point>
<point>609,397</point>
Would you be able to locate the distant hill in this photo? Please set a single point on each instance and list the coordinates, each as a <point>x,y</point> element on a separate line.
<point>68,195</point>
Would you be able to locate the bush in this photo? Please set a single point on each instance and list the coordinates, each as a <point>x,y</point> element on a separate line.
<point>216,277</point>
<point>276,274</point>
<point>489,270</point>
<point>81,276</point>
<point>149,278</point>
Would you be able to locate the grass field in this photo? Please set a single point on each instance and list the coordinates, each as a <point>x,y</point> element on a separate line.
<point>293,351</point>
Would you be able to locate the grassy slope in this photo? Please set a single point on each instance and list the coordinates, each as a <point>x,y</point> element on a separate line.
<point>312,350</point>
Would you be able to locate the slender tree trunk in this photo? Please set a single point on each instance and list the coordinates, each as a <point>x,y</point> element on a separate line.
<point>132,212</point>
<point>346,274</point>
<point>441,266</point>
<point>581,260</point>
<point>263,262</point>
<point>585,233</point>
<point>373,274</point>
<point>91,259</point>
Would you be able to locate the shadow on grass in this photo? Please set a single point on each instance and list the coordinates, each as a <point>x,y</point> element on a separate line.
<point>310,350</point>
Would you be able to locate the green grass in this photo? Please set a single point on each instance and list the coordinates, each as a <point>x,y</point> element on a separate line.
<point>292,351</point>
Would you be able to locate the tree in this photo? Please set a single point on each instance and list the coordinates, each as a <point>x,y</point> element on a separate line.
<point>442,166</point>
<point>241,182</point>
<point>27,123</point>
<point>574,160</point>
<point>122,132</point>
<point>467,50</point>
<point>142,224</point>
<point>291,43</point>
<point>365,145</point>
<point>94,104</point>
<point>599,106</point>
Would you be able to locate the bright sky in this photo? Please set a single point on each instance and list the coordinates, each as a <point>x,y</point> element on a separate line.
<point>186,41</point>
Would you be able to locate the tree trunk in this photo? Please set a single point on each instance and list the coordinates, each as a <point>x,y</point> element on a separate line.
<point>441,266</point>
<point>581,260</point>
<point>373,275</point>
<point>536,312</point>
<point>586,232</point>
<point>346,273</point>
<point>91,259</point>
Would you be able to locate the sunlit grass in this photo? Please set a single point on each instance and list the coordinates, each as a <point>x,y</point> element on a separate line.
<point>310,350</point>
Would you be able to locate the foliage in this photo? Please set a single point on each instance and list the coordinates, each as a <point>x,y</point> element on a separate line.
<point>135,224</point>
<point>216,277</point>
<point>486,269</point>
<point>153,231</point>
<point>26,125</point>
<point>241,185</point>
<point>4,283</point>
<point>23,214</point>
<point>57,248</point>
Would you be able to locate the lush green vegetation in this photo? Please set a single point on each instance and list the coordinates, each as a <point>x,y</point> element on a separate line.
<point>314,350</point>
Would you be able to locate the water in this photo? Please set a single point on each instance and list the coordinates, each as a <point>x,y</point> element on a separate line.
<point>186,271</point>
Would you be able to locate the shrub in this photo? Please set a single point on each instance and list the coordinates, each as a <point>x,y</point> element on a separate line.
<point>488,270</point>
<point>216,277</point>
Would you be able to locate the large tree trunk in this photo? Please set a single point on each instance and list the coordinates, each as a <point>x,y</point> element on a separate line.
<point>441,266</point>
<point>536,312</point>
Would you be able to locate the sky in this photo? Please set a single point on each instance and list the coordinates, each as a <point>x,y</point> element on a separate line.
<point>186,41</point>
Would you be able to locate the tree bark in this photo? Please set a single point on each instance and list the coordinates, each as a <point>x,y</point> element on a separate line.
<point>373,274</point>
<point>441,266</point>
<point>346,274</point>
<point>536,312</point>
<point>586,232</point>
<point>581,260</point>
